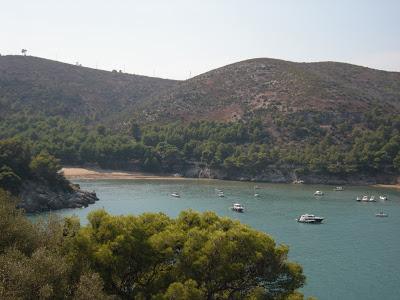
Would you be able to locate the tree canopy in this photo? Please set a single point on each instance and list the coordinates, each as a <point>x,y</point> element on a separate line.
<point>150,256</point>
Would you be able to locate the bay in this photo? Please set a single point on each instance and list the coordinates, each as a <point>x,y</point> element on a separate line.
<point>352,255</point>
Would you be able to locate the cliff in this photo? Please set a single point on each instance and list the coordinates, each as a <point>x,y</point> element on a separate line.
<point>37,197</point>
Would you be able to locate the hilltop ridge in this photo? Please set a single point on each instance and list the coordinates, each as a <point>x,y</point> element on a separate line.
<point>262,86</point>
<point>37,85</point>
<point>255,87</point>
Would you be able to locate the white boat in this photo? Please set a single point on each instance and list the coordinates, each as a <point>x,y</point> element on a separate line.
<point>383,197</point>
<point>372,199</point>
<point>309,218</point>
<point>318,193</point>
<point>221,194</point>
<point>298,181</point>
<point>363,199</point>
<point>338,188</point>
<point>175,194</point>
<point>238,207</point>
<point>381,214</point>
<point>256,195</point>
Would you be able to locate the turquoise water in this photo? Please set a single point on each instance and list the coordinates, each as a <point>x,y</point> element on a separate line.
<point>352,255</point>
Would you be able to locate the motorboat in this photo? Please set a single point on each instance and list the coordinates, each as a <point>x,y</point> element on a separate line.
<point>298,181</point>
<point>372,199</point>
<point>256,195</point>
<point>238,207</point>
<point>318,193</point>
<point>221,194</point>
<point>175,194</point>
<point>381,214</point>
<point>338,188</point>
<point>383,197</point>
<point>363,199</point>
<point>309,218</point>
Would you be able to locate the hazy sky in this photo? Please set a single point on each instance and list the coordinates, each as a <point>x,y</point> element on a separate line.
<point>173,39</point>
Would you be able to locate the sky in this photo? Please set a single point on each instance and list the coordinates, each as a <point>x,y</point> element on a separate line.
<point>180,39</point>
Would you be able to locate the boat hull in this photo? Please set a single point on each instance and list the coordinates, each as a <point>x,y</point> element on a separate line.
<point>313,221</point>
<point>239,210</point>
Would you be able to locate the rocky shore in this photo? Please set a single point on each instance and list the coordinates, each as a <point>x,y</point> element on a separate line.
<point>286,174</point>
<point>39,197</point>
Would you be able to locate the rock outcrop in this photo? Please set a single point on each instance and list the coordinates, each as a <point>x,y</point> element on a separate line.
<point>286,174</point>
<point>39,197</point>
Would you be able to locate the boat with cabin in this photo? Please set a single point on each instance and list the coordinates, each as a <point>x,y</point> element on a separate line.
<point>381,214</point>
<point>318,193</point>
<point>338,189</point>
<point>238,207</point>
<point>175,194</point>
<point>309,218</point>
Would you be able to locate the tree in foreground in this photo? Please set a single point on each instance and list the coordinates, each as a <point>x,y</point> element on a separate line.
<point>151,256</point>
<point>196,256</point>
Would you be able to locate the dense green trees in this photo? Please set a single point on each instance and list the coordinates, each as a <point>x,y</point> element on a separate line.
<point>18,164</point>
<point>151,256</point>
<point>368,144</point>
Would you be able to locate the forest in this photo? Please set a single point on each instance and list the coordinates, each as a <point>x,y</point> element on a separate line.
<point>368,144</point>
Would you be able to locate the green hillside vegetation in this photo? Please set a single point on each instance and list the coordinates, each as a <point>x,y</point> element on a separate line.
<point>151,256</point>
<point>367,146</point>
<point>244,118</point>
<point>18,164</point>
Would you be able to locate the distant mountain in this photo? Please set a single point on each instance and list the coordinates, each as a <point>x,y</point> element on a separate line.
<point>262,87</point>
<point>36,85</point>
<point>268,86</point>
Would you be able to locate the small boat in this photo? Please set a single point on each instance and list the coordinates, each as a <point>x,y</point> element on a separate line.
<point>298,181</point>
<point>256,195</point>
<point>221,194</point>
<point>358,199</point>
<point>338,188</point>
<point>318,193</point>
<point>309,218</point>
<point>363,199</point>
<point>372,199</point>
<point>383,197</point>
<point>238,207</point>
<point>381,214</point>
<point>175,194</point>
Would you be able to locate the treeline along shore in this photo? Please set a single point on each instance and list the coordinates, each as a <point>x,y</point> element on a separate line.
<point>366,152</point>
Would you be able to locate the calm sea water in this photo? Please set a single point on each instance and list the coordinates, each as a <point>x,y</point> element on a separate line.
<point>352,255</point>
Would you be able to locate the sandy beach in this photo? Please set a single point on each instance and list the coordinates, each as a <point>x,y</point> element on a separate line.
<point>95,173</point>
<point>388,186</point>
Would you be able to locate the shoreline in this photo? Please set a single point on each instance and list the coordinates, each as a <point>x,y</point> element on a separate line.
<point>87,173</point>
<point>388,186</point>
<point>97,173</point>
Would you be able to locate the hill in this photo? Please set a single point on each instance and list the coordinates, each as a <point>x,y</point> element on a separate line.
<point>261,119</point>
<point>264,86</point>
<point>35,85</point>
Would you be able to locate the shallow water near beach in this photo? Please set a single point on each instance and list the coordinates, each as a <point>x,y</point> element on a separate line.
<point>352,255</point>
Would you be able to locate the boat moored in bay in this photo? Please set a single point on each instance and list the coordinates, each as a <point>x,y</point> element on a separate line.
<point>310,218</point>
<point>238,207</point>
